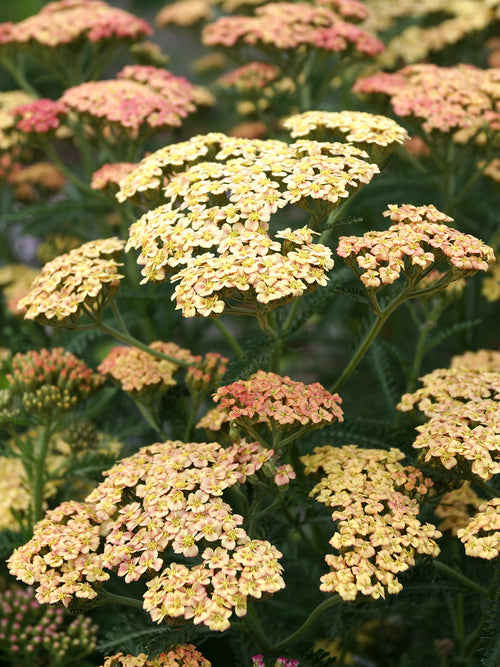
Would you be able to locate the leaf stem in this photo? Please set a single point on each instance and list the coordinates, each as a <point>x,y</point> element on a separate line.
<point>458,576</point>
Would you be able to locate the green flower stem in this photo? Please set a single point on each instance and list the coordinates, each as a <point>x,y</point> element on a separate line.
<point>425,329</point>
<point>313,617</point>
<point>253,433</point>
<point>18,75</point>
<point>458,576</point>
<point>148,414</point>
<point>255,628</point>
<point>130,340</point>
<point>229,337</point>
<point>38,478</point>
<point>195,404</point>
<point>106,596</point>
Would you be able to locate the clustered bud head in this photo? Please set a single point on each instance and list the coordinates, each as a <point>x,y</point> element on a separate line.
<point>164,500</point>
<point>456,507</point>
<point>276,401</point>
<point>418,241</point>
<point>185,655</point>
<point>375,504</point>
<point>139,372</point>
<point>51,381</point>
<point>284,26</point>
<point>462,430</point>
<point>481,536</point>
<point>459,100</point>
<point>79,282</point>
<point>206,373</point>
<point>34,634</point>
<point>213,235</point>
<point>71,22</point>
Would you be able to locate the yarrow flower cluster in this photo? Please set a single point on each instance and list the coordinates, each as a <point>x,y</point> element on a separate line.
<point>417,242</point>
<point>31,634</point>
<point>81,281</point>
<point>287,26</point>
<point>51,381</point>
<point>357,127</point>
<point>481,536</point>
<point>278,402</point>
<point>374,499</point>
<point>141,373</point>
<point>166,498</point>
<point>456,507</point>
<point>462,430</point>
<point>207,371</point>
<point>250,77</point>
<point>140,99</point>
<point>440,99</point>
<point>185,655</point>
<point>185,13</point>
<point>258,661</point>
<point>213,234</point>
<point>9,100</point>
<point>108,177</point>
<point>66,22</point>
<point>15,498</point>
<point>481,360</point>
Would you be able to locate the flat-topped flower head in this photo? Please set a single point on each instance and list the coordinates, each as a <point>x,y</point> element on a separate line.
<point>481,536</point>
<point>482,360</point>
<point>107,178</point>
<point>278,402</point>
<point>51,381</point>
<point>375,504</point>
<point>72,22</point>
<point>376,134</point>
<point>462,430</point>
<point>9,100</point>
<point>141,100</point>
<point>185,13</point>
<point>456,507</point>
<point>253,76</point>
<point>206,373</point>
<point>162,503</point>
<point>416,244</point>
<point>184,655</point>
<point>142,374</point>
<point>286,26</point>
<point>80,282</point>
<point>440,100</point>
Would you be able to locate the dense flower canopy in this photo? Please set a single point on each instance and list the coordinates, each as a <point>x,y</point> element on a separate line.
<point>374,499</point>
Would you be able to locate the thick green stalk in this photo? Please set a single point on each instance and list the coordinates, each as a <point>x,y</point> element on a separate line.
<point>106,596</point>
<point>255,628</point>
<point>229,337</point>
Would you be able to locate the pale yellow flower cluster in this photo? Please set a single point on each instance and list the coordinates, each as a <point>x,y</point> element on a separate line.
<point>9,100</point>
<point>414,245</point>
<point>81,281</point>
<point>463,429</point>
<point>374,499</point>
<point>213,233</point>
<point>490,288</point>
<point>481,536</point>
<point>141,373</point>
<point>357,127</point>
<point>456,507</point>
<point>482,360</point>
<point>14,493</point>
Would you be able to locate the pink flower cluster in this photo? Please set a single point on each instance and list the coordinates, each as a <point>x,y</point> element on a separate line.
<point>250,77</point>
<point>51,380</point>
<point>108,177</point>
<point>66,21</point>
<point>141,373</point>
<point>166,499</point>
<point>278,401</point>
<point>375,504</point>
<point>287,25</point>
<point>184,655</point>
<point>462,430</point>
<point>418,241</point>
<point>39,117</point>
<point>440,99</point>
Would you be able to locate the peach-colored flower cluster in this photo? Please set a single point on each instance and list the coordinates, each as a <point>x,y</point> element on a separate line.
<point>213,234</point>
<point>15,497</point>
<point>185,13</point>
<point>51,380</point>
<point>108,177</point>
<point>482,360</point>
<point>9,100</point>
<point>456,507</point>
<point>278,401</point>
<point>69,21</point>
<point>31,181</point>
<point>15,283</point>
<point>141,97</point>
<point>481,536</point>
<point>166,498</point>
<point>185,655</point>
<point>374,499</point>
<point>418,241</point>
<point>250,77</point>
<point>31,634</point>
<point>141,373</point>
<point>463,428</point>
<point>440,99</point>
<point>292,25</point>
<point>81,281</point>
<point>356,127</point>
<point>206,373</point>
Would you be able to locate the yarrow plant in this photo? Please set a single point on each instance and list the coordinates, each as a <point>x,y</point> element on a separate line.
<point>250,376</point>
